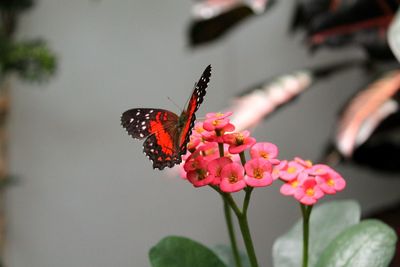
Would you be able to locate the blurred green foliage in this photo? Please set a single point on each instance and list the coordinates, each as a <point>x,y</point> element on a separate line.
<point>31,60</point>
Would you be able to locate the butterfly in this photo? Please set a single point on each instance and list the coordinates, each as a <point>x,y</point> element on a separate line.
<point>166,133</point>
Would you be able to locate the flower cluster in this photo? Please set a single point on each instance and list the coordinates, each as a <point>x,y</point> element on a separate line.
<point>308,182</point>
<point>216,156</point>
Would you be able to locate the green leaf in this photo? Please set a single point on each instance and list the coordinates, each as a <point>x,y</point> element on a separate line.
<point>224,252</point>
<point>326,222</point>
<point>370,243</point>
<point>175,251</point>
<point>31,60</point>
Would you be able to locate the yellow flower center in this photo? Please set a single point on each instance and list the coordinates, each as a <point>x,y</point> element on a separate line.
<point>232,178</point>
<point>310,192</point>
<point>215,123</point>
<point>209,151</point>
<point>264,155</point>
<point>219,114</point>
<point>258,173</point>
<point>330,182</point>
<point>201,174</point>
<point>309,163</point>
<point>239,139</point>
<point>200,130</point>
<point>294,184</point>
<point>291,169</point>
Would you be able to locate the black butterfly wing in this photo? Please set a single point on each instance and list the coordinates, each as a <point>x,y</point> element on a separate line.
<point>165,144</point>
<point>194,103</point>
<point>160,128</point>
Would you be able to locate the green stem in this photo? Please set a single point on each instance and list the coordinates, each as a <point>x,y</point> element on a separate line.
<point>220,145</point>
<point>231,232</point>
<point>244,226</point>
<point>306,211</point>
<point>242,158</point>
<point>221,149</point>
<point>248,242</point>
<point>247,199</point>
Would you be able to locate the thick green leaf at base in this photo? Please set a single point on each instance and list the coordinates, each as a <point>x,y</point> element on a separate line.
<point>224,252</point>
<point>175,251</point>
<point>326,222</point>
<point>370,243</point>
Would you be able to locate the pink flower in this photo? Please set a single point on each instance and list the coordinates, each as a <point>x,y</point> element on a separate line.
<point>215,167</point>
<point>330,182</point>
<point>318,169</point>
<point>198,129</point>
<point>200,175</point>
<point>233,157</point>
<point>232,176</point>
<point>193,161</point>
<point>218,115</point>
<point>258,172</point>
<point>193,143</point>
<point>309,192</point>
<point>275,161</point>
<point>239,141</point>
<point>216,121</point>
<point>305,163</point>
<point>201,133</point>
<point>209,151</point>
<point>290,171</point>
<point>264,150</point>
<point>292,186</point>
<point>276,169</point>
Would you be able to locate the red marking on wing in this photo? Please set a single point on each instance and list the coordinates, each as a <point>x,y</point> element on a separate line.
<point>195,100</point>
<point>190,113</point>
<point>163,137</point>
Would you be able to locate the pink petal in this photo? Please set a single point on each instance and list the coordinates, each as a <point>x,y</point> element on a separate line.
<point>255,182</point>
<point>319,169</point>
<point>215,166</point>
<point>265,150</point>
<point>327,189</point>
<point>275,161</point>
<point>227,187</point>
<point>340,184</point>
<point>193,177</point>
<point>306,200</point>
<point>299,193</point>
<point>287,189</point>
<point>318,193</point>
<point>218,115</point>
<point>257,163</point>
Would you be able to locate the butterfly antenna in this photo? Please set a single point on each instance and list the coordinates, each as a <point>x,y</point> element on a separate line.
<point>174,104</point>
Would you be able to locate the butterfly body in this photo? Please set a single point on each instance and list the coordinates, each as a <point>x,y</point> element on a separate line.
<point>166,133</point>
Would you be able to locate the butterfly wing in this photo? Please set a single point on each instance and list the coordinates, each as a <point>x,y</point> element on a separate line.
<point>166,139</point>
<point>160,127</point>
<point>194,103</point>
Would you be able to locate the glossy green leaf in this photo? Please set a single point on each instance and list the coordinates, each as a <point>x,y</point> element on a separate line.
<point>326,222</point>
<point>224,252</point>
<point>370,243</point>
<point>175,251</point>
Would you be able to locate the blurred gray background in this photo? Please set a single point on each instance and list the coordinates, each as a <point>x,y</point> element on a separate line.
<point>88,196</point>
